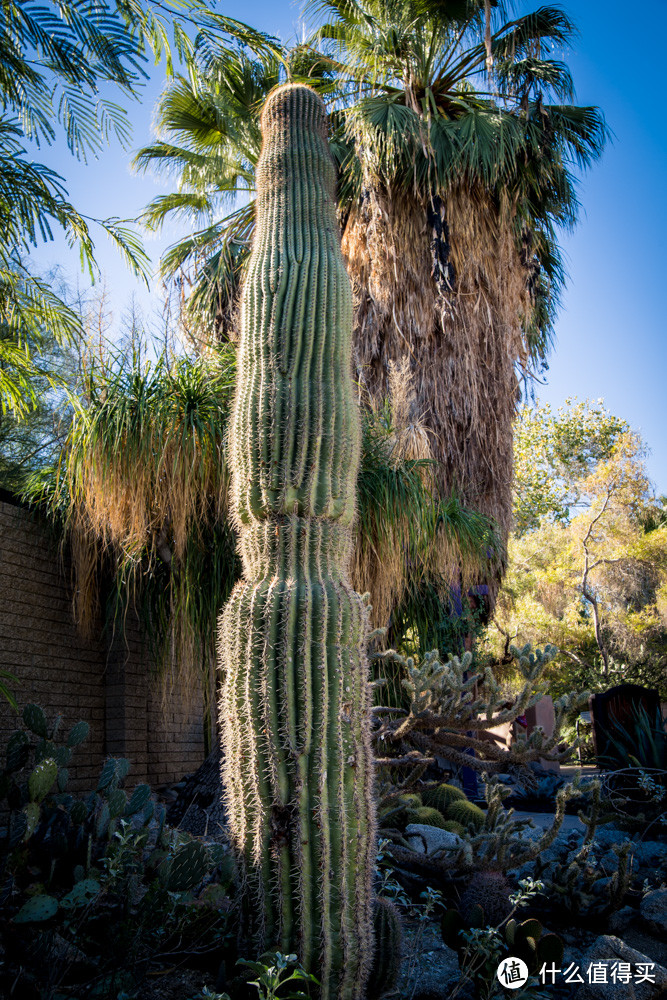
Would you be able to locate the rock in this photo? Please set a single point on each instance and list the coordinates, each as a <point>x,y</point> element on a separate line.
<point>653,909</point>
<point>429,839</point>
<point>198,809</point>
<point>608,951</point>
<point>430,969</point>
<point>618,921</point>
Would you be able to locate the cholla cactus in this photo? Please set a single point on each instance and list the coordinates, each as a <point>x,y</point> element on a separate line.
<point>295,707</point>
<point>498,844</point>
<point>447,704</point>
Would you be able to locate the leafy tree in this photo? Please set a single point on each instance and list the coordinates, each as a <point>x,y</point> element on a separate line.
<point>57,63</point>
<point>588,560</point>
<point>209,141</point>
<point>553,455</point>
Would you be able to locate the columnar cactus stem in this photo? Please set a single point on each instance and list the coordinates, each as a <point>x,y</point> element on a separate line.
<point>295,708</point>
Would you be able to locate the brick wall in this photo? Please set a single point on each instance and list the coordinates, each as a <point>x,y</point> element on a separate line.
<point>108,682</point>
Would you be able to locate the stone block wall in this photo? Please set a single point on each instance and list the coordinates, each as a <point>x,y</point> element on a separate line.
<point>108,681</point>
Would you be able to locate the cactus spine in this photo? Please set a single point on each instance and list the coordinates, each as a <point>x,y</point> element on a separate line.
<point>297,771</point>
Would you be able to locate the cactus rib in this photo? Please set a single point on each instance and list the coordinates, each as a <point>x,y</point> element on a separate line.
<point>295,704</point>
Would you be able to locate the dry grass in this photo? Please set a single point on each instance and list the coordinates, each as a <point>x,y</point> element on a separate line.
<point>142,490</point>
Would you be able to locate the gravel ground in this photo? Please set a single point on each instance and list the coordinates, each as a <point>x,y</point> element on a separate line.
<point>430,969</point>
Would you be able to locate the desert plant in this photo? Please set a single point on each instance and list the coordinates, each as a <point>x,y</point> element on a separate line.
<point>498,845</point>
<point>451,706</point>
<point>481,943</point>
<point>539,794</point>
<point>490,890</point>
<point>275,972</point>
<point>441,796</point>
<point>95,889</point>
<point>295,706</point>
<point>388,948</point>
<point>467,814</point>
<point>642,743</point>
<point>579,888</point>
<point>5,692</point>
<point>427,816</point>
<point>634,798</point>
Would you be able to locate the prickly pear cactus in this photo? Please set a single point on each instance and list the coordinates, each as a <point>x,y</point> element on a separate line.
<point>294,712</point>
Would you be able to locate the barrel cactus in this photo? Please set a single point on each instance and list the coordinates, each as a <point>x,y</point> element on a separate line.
<point>490,890</point>
<point>295,703</point>
<point>467,814</point>
<point>442,796</point>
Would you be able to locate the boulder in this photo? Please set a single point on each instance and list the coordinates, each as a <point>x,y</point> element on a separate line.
<point>198,807</point>
<point>429,839</point>
<point>653,909</point>
<point>608,951</point>
<point>618,921</point>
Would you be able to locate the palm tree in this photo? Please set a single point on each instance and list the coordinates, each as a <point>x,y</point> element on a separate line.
<point>461,180</point>
<point>456,174</point>
<point>210,140</point>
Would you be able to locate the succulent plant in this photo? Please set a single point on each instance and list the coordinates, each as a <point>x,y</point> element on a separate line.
<point>36,910</point>
<point>35,720</point>
<point>491,891</point>
<point>466,813</point>
<point>525,940</point>
<point>427,816</point>
<point>442,796</point>
<point>89,884</point>
<point>42,780</point>
<point>295,705</point>
<point>528,941</point>
<point>138,800</point>
<point>189,865</point>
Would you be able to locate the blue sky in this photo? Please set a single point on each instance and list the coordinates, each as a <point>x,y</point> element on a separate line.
<point>610,335</point>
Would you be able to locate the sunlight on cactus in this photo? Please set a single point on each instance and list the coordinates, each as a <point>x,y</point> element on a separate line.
<point>295,705</point>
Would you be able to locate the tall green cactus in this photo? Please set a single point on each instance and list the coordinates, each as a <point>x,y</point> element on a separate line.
<point>295,707</point>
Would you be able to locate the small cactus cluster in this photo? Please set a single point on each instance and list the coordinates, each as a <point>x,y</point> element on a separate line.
<point>491,840</point>
<point>580,886</point>
<point>490,892</point>
<point>295,703</point>
<point>442,796</point>
<point>427,816</point>
<point>467,814</point>
<point>526,940</point>
<point>444,806</point>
